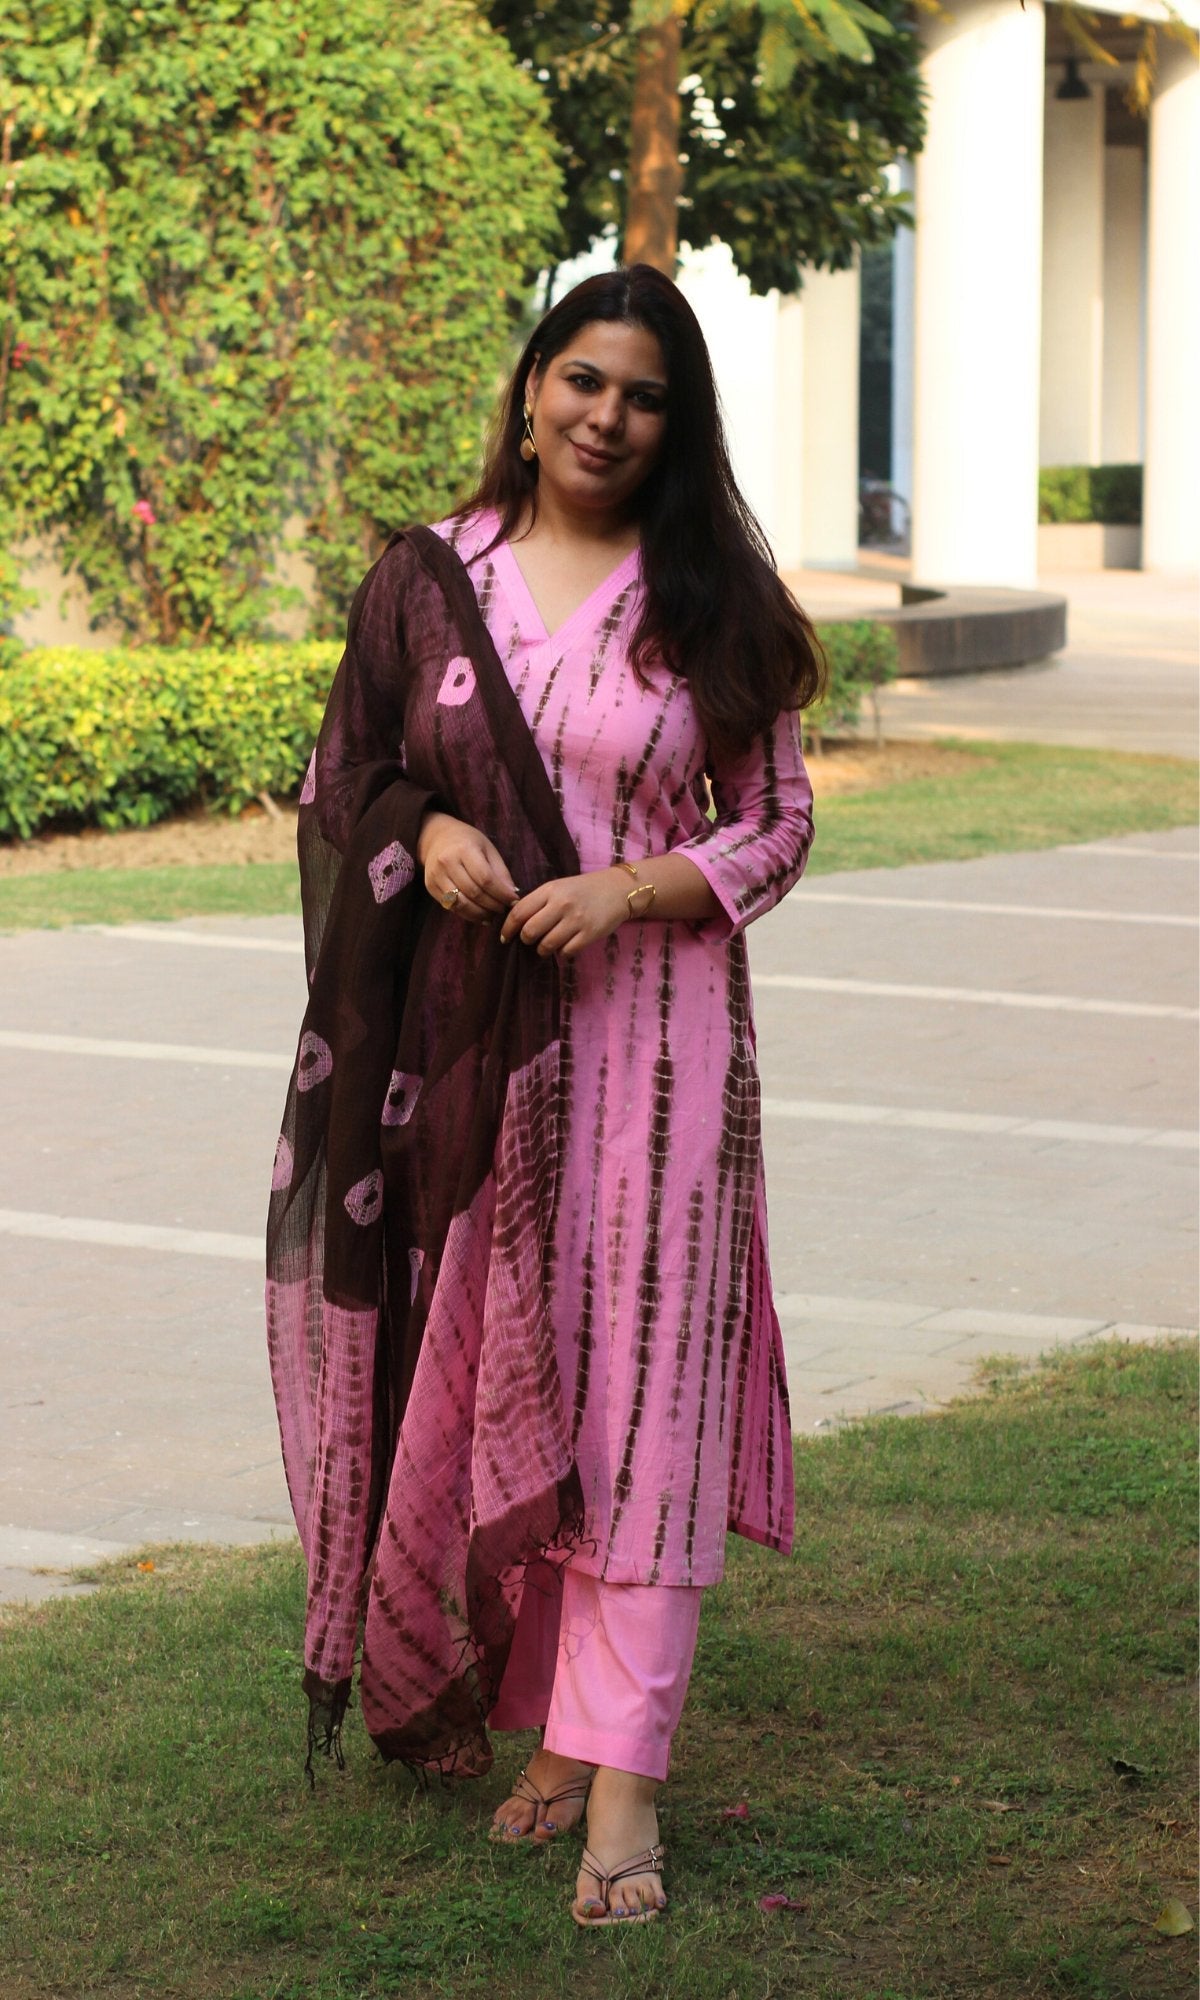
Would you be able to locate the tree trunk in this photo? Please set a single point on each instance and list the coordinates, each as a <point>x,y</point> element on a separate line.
<point>655,172</point>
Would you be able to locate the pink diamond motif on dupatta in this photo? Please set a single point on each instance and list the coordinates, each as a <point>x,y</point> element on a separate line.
<point>401,1100</point>
<point>390,871</point>
<point>314,1061</point>
<point>458,684</point>
<point>281,1176</point>
<point>364,1203</point>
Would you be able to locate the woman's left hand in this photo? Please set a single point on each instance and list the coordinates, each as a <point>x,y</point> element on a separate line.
<point>563,916</point>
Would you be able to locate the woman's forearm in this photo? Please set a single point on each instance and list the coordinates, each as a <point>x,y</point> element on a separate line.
<point>681,893</point>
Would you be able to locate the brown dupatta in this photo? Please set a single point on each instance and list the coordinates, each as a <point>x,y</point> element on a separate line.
<point>412,1356</point>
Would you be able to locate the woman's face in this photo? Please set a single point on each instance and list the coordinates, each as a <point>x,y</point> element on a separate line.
<point>600,414</point>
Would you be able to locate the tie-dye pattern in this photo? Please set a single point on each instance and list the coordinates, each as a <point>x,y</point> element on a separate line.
<point>518,1296</point>
<point>668,1345</point>
<point>427,1450</point>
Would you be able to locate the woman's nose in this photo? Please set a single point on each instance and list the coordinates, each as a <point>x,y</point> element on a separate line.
<point>608,412</point>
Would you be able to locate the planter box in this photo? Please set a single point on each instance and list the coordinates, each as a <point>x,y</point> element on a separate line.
<point>1068,545</point>
<point>970,631</point>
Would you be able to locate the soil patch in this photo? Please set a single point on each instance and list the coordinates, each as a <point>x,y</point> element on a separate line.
<point>864,767</point>
<point>193,840</point>
<point>203,839</point>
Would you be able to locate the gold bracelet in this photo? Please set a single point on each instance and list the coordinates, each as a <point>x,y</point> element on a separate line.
<point>641,889</point>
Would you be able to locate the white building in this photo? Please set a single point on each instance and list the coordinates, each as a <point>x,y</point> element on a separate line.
<point>1046,308</point>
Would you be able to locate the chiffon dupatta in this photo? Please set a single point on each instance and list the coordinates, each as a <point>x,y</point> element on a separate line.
<point>427,1453</point>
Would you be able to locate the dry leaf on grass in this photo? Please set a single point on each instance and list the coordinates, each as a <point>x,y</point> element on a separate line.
<point>1173,1919</point>
<point>1133,1772</point>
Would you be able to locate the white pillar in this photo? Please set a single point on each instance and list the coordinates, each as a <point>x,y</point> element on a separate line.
<point>786,527</point>
<point>740,331</point>
<point>832,310</point>
<point>1124,296</point>
<point>978,296</point>
<point>1072,278</point>
<point>904,264</point>
<point>1171,507</point>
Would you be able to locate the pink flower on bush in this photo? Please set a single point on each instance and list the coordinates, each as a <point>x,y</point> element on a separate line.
<point>145,512</point>
<point>20,354</point>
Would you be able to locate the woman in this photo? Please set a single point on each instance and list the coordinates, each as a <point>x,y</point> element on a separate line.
<point>526,1362</point>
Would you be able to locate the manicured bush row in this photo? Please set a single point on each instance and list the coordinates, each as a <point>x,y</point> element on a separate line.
<point>126,737</point>
<point>123,738</point>
<point>1110,493</point>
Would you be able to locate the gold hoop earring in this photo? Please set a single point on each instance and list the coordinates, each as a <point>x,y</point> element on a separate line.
<point>527,447</point>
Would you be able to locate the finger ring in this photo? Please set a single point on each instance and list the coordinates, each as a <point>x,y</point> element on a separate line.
<point>450,899</point>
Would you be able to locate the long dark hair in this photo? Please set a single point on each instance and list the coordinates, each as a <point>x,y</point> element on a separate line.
<point>713,608</point>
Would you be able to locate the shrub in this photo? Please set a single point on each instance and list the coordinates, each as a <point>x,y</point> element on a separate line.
<point>259,258</point>
<point>126,736</point>
<point>123,738</point>
<point>1109,493</point>
<point>861,655</point>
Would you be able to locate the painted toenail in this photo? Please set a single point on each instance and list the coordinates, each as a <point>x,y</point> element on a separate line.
<point>549,1826</point>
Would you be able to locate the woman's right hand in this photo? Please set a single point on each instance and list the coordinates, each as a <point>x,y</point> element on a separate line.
<point>457,857</point>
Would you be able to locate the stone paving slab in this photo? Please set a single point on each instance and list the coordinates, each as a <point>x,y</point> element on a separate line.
<point>848,1358</point>
<point>132,1356</point>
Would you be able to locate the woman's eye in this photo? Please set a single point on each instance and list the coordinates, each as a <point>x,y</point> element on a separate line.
<point>583,381</point>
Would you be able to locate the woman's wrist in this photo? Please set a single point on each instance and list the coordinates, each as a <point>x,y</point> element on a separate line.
<point>639,899</point>
<point>429,826</point>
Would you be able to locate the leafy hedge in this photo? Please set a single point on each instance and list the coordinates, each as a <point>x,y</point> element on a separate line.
<point>261,259</point>
<point>123,738</point>
<point>1110,493</point>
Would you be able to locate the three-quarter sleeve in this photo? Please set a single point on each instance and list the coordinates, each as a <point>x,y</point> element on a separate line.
<point>755,848</point>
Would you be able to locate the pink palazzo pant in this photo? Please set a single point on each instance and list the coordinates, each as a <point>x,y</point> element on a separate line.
<point>604,1667</point>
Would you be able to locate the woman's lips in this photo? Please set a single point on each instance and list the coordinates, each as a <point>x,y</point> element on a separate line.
<point>593,461</point>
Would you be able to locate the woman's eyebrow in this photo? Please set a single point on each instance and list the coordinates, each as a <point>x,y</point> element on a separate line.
<point>648,382</point>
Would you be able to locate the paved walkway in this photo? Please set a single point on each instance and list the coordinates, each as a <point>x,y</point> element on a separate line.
<point>979,1114</point>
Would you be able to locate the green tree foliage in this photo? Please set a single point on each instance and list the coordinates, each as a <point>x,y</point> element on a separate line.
<point>791,114</point>
<point>257,258</point>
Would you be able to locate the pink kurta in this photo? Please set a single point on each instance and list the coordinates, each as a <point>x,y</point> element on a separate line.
<point>669,1347</point>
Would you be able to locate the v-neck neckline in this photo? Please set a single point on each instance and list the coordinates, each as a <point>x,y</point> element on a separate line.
<point>513,579</point>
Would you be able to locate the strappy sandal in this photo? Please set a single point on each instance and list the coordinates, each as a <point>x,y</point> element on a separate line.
<point>528,1793</point>
<point>648,1862</point>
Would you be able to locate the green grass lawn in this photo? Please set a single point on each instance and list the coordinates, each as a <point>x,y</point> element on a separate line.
<point>960,1718</point>
<point>141,895</point>
<point>1016,796</point>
